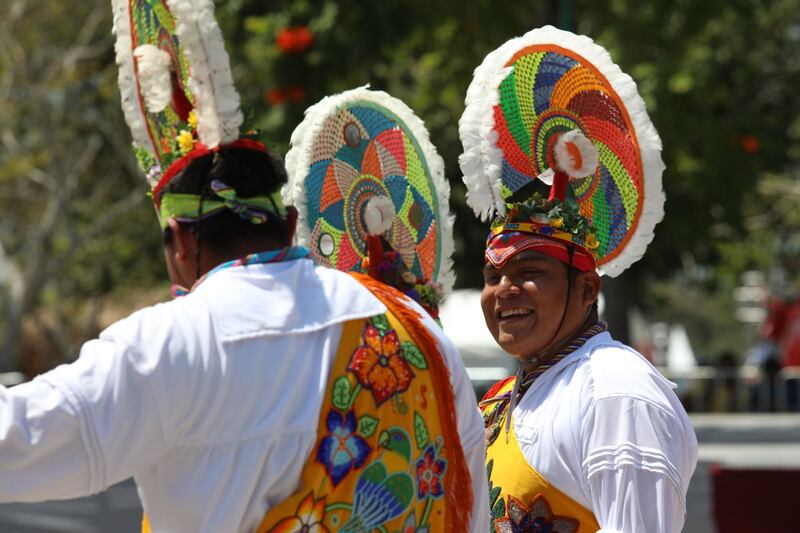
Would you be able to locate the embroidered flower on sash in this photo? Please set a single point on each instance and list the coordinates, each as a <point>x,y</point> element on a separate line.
<point>308,518</point>
<point>379,364</point>
<point>430,471</point>
<point>342,449</point>
<point>536,518</point>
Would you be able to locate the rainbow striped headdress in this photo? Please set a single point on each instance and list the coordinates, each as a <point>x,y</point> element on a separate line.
<point>551,108</point>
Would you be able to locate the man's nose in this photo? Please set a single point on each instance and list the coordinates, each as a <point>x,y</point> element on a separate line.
<point>506,287</point>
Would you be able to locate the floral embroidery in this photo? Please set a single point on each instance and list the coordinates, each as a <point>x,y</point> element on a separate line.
<point>430,471</point>
<point>342,449</point>
<point>379,364</point>
<point>538,518</point>
<point>308,518</point>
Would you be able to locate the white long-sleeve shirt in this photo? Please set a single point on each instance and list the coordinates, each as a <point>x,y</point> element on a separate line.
<point>604,427</point>
<point>211,402</point>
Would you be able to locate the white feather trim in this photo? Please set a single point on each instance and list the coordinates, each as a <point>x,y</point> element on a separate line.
<point>129,93</point>
<point>379,215</point>
<point>155,81</point>
<point>587,158</point>
<point>216,102</point>
<point>480,163</point>
<point>299,159</point>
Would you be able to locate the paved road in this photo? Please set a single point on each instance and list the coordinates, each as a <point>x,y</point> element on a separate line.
<point>732,440</point>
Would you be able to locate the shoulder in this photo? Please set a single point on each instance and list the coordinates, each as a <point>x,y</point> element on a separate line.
<point>160,330</point>
<point>613,369</point>
<point>495,389</point>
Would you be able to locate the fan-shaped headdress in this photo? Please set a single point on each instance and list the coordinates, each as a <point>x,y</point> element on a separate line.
<point>364,174</point>
<point>552,107</point>
<point>179,100</point>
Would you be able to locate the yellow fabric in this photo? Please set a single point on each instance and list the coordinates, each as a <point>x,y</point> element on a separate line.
<point>520,495</point>
<point>400,484</point>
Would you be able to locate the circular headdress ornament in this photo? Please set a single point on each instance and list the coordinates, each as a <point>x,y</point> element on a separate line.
<point>362,166</point>
<point>553,104</point>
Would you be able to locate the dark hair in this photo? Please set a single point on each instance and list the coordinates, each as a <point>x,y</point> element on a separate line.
<point>250,173</point>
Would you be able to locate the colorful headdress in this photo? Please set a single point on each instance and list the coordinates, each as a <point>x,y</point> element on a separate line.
<point>551,106</point>
<point>177,91</point>
<point>363,173</point>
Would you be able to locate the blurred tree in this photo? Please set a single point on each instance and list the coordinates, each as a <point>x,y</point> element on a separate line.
<point>74,221</point>
<point>719,78</point>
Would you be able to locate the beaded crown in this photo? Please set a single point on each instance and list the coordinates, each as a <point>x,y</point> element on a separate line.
<point>552,108</point>
<point>364,175</point>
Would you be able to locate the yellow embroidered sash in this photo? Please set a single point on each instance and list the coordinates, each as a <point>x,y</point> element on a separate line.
<point>520,498</point>
<point>384,451</point>
<point>388,455</point>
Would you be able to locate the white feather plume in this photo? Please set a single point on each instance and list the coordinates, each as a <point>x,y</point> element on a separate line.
<point>131,106</point>
<point>480,162</point>
<point>216,102</point>
<point>155,80</point>
<point>379,215</point>
<point>300,157</point>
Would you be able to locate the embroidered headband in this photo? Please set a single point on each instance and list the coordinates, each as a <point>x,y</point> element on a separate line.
<point>191,207</point>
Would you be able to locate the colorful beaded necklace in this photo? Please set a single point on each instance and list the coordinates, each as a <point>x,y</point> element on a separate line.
<point>525,378</point>
<point>288,253</point>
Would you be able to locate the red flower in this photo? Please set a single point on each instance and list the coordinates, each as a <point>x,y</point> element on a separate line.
<point>276,96</point>
<point>750,144</point>
<point>294,39</point>
<point>379,364</point>
<point>295,93</point>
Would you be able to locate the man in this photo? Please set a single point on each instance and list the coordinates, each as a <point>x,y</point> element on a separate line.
<point>588,436</point>
<point>211,401</point>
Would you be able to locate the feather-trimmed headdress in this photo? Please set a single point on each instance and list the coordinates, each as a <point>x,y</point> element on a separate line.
<point>363,174</point>
<point>551,108</point>
<point>177,91</point>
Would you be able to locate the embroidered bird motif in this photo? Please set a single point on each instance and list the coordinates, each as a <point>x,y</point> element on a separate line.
<point>396,439</point>
<point>379,498</point>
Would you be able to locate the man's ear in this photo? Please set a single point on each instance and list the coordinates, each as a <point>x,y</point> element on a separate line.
<point>183,242</point>
<point>291,224</point>
<point>590,290</point>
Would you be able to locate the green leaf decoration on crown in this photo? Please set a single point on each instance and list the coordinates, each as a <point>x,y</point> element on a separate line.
<point>561,216</point>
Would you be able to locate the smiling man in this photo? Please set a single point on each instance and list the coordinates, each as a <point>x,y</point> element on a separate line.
<point>588,436</point>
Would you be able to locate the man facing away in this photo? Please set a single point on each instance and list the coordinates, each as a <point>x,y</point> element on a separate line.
<point>275,394</point>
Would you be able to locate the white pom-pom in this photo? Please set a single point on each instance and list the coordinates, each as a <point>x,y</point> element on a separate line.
<point>379,215</point>
<point>547,176</point>
<point>155,80</point>
<point>576,155</point>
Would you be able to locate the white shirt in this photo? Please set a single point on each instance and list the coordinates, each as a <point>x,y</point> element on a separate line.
<point>604,427</point>
<point>210,401</point>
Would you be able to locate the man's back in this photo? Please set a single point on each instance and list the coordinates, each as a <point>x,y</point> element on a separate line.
<point>212,401</point>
